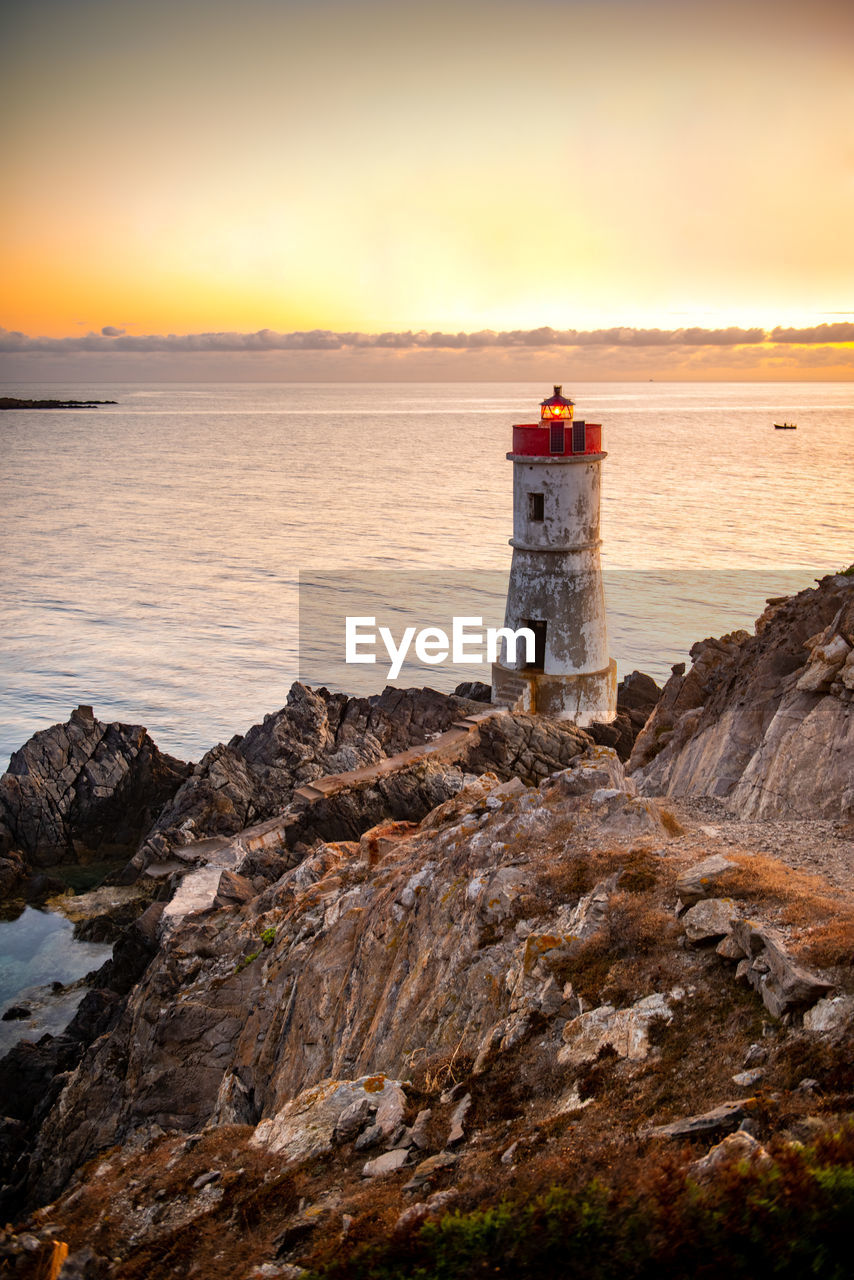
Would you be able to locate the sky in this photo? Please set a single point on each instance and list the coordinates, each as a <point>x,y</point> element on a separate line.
<point>384,188</point>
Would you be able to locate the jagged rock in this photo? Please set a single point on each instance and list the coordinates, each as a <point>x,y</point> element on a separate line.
<point>418,1135</point>
<point>625,1030</point>
<point>825,662</point>
<point>14,874</point>
<point>371,1137</point>
<point>720,1119</point>
<point>708,919</point>
<point>756,1056</point>
<point>637,696</point>
<point>456,1133</point>
<point>504,791</point>
<point>423,1210</point>
<point>352,1119</point>
<point>701,880</point>
<point>760,721</point>
<point>305,1126</point>
<point>233,890</point>
<point>747,1079</point>
<point>15,1013</point>
<point>253,777</point>
<point>846,674</point>
<point>234,1102</point>
<point>595,769</point>
<point>475,690</point>
<point>427,1170</point>
<point>784,985</point>
<point>388,1162</point>
<point>28,1073</point>
<point>829,1014</point>
<point>625,817</point>
<point>375,843</point>
<point>524,746</point>
<point>102,914</point>
<point>729,949</point>
<point>408,794</point>
<point>368,969</point>
<point>83,788</point>
<point>132,952</point>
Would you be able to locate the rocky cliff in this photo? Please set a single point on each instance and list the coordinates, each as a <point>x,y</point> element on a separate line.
<point>763,721</point>
<point>478,962</point>
<point>536,982</point>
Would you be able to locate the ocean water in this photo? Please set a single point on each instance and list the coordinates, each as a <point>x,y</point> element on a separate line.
<point>37,948</point>
<point>153,549</point>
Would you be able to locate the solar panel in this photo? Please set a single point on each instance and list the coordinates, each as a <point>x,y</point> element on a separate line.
<point>557,442</point>
<point>579,437</point>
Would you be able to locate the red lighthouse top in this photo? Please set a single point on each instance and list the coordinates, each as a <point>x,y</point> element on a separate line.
<point>557,434</point>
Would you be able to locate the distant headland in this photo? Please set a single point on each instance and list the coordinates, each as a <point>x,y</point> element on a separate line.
<point>10,402</point>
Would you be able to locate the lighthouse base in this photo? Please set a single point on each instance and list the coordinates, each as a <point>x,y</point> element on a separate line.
<point>585,698</point>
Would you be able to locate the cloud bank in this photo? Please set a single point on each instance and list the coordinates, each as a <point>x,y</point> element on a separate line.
<point>112,338</point>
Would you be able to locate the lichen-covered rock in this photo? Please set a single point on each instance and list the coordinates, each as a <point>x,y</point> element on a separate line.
<point>784,985</point>
<point>709,919</point>
<point>306,1126</point>
<point>828,1014</point>
<point>626,1031</point>
<point>595,769</point>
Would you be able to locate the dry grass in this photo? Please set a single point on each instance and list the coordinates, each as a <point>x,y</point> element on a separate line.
<point>819,924</point>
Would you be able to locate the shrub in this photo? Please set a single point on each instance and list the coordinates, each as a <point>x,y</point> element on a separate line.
<point>787,1218</point>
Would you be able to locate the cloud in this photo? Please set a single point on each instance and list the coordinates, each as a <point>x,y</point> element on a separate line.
<point>112,339</point>
<point>841,331</point>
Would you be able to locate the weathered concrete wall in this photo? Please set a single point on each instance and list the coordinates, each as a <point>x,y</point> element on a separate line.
<point>571,495</point>
<point>556,577</point>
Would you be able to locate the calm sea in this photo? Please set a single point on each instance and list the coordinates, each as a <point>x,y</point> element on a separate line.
<point>153,549</point>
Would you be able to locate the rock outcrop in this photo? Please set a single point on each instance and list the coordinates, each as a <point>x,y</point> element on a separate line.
<point>763,722</point>
<point>637,697</point>
<point>358,961</point>
<point>83,789</point>
<point>253,777</point>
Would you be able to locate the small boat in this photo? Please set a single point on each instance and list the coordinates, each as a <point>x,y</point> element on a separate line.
<point>785,426</point>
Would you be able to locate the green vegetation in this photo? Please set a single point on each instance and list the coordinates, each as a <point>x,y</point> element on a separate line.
<point>788,1217</point>
<point>241,964</point>
<point>268,936</point>
<point>849,572</point>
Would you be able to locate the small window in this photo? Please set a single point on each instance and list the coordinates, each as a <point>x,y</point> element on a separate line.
<point>536,506</point>
<point>579,437</point>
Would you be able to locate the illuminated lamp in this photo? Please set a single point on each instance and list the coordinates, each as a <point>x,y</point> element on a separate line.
<point>557,406</point>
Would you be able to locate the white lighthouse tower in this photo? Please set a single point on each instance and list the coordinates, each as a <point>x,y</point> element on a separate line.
<point>555,584</point>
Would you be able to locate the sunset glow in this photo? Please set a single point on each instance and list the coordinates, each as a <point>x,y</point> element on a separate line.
<point>201,167</point>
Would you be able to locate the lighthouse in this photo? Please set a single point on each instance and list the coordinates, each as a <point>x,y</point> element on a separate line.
<point>555,586</point>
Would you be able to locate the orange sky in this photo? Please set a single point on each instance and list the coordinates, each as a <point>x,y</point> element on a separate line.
<point>200,166</point>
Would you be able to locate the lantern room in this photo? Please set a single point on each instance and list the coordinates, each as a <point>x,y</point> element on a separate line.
<point>557,406</point>
<point>557,434</point>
